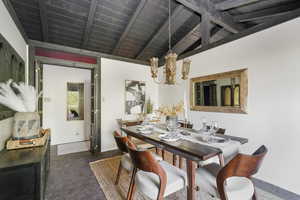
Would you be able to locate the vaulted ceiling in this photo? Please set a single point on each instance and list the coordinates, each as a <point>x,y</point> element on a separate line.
<point>138,29</point>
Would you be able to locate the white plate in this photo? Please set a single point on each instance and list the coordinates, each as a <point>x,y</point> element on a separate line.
<point>167,139</point>
<point>146,132</point>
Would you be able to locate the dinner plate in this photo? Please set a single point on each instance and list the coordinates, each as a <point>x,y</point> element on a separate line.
<point>169,139</point>
<point>146,132</point>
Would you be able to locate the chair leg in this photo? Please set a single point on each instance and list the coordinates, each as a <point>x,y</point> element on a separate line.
<point>174,160</point>
<point>180,162</point>
<point>118,173</point>
<point>254,195</point>
<point>131,188</point>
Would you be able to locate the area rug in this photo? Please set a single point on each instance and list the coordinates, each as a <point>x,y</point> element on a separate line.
<point>105,171</point>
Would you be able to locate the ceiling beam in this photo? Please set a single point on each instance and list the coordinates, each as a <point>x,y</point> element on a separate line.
<point>267,24</point>
<point>267,13</point>
<point>15,18</point>
<point>44,20</point>
<point>220,34</point>
<point>223,19</point>
<point>186,41</point>
<point>229,4</point>
<point>216,34</point>
<point>205,29</point>
<point>95,54</point>
<point>89,23</point>
<point>161,30</point>
<point>129,25</point>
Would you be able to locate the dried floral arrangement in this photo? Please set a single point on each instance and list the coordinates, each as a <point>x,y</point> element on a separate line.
<point>173,110</point>
<point>18,97</point>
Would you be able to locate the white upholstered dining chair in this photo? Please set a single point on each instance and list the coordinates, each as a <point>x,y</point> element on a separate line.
<point>153,179</point>
<point>232,182</point>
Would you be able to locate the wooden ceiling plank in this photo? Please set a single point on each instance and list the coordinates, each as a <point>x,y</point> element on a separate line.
<point>223,19</point>
<point>161,30</point>
<point>44,20</point>
<point>229,4</point>
<point>89,23</point>
<point>267,13</point>
<point>137,12</point>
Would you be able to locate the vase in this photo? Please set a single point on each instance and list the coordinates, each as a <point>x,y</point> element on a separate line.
<point>172,123</point>
<point>26,126</point>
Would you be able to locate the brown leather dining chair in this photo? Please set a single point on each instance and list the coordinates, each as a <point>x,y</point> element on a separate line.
<point>233,181</point>
<point>141,143</point>
<point>153,179</point>
<point>125,162</point>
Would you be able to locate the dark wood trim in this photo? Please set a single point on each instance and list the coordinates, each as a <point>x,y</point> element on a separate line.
<point>64,63</point>
<point>44,20</point>
<point>229,4</point>
<point>137,12</point>
<point>97,105</point>
<point>62,48</point>
<point>31,67</point>
<point>89,23</point>
<point>267,24</point>
<point>15,18</point>
<point>161,30</point>
<point>223,19</point>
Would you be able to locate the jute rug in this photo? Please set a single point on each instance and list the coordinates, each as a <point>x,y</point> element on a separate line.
<point>105,171</point>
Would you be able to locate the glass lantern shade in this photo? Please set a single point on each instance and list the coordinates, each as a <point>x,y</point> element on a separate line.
<point>170,68</point>
<point>154,67</point>
<point>185,68</point>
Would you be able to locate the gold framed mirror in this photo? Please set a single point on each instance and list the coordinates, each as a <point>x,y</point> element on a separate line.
<point>223,92</point>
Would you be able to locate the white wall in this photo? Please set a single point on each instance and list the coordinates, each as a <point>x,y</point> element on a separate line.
<point>113,76</point>
<point>272,58</point>
<point>10,32</point>
<point>55,104</point>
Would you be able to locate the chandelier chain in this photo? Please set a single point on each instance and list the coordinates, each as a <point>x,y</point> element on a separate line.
<point>170,26</point>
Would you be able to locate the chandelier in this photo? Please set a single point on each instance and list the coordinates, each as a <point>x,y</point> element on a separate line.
<point>170,64</point>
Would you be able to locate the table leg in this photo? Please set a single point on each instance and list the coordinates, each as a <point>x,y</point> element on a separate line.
<point>191,173</point>
<point>221,160</point>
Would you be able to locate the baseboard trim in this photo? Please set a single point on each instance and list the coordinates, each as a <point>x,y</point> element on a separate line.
<point>276,190</point>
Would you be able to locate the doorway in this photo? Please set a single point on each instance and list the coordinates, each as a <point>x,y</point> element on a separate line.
<point>67,107</point>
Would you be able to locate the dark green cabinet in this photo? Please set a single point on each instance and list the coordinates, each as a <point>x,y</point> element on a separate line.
<point>24,172</point>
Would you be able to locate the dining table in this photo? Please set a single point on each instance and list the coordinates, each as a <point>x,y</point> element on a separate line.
<point>193,152</point>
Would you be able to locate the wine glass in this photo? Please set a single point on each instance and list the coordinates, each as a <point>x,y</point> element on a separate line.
<point>214,127</point>
<point>204,124</point>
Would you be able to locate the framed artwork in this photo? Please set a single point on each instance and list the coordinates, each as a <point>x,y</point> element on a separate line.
<point>135,97</point>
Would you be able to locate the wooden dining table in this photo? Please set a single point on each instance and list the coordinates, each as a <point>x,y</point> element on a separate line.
<point>191,151</point>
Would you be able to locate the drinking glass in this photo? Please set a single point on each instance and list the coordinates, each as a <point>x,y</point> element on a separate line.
<point>214,127</point>
<point>204,124</point>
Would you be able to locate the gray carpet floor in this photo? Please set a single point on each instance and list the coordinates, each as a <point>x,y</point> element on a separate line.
<point>71,178</point>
